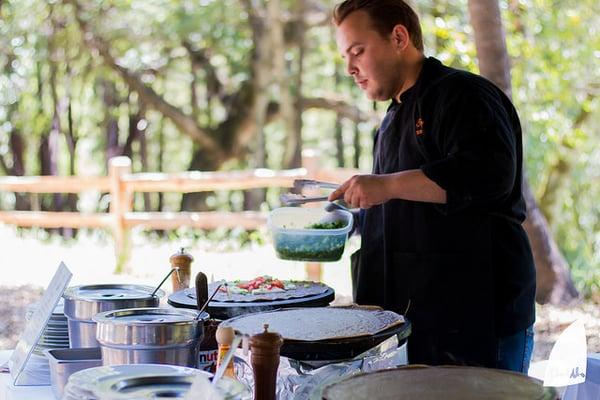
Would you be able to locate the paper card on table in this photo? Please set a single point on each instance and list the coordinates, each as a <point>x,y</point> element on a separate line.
<point>568,359</point>
<point>20,373</point>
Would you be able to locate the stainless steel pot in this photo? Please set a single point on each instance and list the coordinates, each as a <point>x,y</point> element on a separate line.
<point>150,335</point>
<point>83,302</point>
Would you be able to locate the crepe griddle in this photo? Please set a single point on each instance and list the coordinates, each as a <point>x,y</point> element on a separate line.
<point>340,348</point>
<point>225,310</point>
<point>436,383</point>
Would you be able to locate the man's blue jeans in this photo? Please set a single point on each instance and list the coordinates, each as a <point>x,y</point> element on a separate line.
<point>514,352</point>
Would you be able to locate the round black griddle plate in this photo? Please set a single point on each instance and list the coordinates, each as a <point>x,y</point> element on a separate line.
<point>341,349</point>
<point>436,383</point>
<point>226,310</point>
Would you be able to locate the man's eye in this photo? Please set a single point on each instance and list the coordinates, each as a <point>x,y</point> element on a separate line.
<point>358,53</point>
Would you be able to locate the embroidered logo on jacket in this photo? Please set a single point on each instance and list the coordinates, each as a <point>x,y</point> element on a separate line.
<point>419,127</point>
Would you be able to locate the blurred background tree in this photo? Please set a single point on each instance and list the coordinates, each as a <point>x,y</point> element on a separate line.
<point>232,84</point>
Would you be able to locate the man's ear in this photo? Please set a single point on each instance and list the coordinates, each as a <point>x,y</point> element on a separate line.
<point>400,37</point>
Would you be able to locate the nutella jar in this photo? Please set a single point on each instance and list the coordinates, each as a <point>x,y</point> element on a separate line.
<point>208,350</point>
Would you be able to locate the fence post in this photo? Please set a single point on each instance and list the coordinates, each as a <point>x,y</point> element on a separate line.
<point>310,161</point>
<point>120,203</point>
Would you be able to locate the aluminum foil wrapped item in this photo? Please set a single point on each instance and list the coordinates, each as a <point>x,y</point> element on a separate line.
<point>297,380</point>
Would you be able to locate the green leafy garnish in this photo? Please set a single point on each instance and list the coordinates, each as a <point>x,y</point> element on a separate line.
<point>327,225</point>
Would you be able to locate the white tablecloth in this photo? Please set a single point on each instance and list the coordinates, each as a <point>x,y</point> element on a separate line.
<point>590,389</point>
<point>10,392</point>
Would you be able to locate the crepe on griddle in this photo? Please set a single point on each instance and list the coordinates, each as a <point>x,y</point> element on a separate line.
<point>437,383</point>
<point>317,323</point>
<point>303,289</point>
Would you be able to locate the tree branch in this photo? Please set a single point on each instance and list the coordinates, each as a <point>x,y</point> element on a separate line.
<point>201,58</point>
<point>341,107</point>
<point>184,122</point>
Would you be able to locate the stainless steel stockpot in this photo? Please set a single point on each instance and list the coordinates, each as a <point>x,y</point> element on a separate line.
<point>150,335</point>
<point>83,302</point>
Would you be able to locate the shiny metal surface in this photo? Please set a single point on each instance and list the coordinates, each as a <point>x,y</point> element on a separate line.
<point>83,302</point>
<point>150,335</point>
<point>65,362</point>
<point>184,356</point>
<point>144,381</point>
<point>82,334</point>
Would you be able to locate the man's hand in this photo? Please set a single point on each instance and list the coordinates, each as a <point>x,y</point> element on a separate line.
<point>366,191</point>
<point>363,191</point>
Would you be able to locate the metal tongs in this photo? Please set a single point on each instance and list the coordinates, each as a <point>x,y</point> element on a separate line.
<point>293,199</point>
<point>300,184</point>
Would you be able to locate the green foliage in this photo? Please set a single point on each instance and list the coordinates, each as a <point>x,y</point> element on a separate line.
<point>556,82</point>
<point>554,46</point>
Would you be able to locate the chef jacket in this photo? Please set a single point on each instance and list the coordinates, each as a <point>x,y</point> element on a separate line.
<point>463,271</point>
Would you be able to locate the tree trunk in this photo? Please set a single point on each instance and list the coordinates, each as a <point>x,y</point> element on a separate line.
<point>17,149</point>
<point>71,202</point>
<point>144,155</point>
<point>554,284</point>
<point>338,131</point>
<point>268,59</point>
<point>202,160</point>
<point>293,149</point>
<point>111,126</point>
<point>161,150</point>
<point>49,149</point>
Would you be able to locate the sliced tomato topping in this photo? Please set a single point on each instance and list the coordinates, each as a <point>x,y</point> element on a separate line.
<point>277,283</point>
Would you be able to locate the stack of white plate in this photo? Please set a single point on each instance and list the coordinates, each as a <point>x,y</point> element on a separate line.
<point>56,334</point>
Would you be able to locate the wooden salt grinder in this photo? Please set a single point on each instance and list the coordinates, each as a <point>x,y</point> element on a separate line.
<point>183,261</point>
<point>264,358</point>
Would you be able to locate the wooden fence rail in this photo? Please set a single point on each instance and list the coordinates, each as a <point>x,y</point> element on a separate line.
<point>121,183</point>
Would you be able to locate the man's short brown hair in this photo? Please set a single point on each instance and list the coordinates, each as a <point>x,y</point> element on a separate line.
<point>385,14</point>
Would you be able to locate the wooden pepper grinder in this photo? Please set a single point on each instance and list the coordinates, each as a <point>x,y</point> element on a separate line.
<point>183,261</point>
<point>264,358</point>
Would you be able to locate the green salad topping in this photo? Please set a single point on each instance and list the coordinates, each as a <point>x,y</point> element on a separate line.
<point>327,225</point>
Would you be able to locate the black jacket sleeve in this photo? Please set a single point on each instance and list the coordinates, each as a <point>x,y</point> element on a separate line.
<point>474,133</point>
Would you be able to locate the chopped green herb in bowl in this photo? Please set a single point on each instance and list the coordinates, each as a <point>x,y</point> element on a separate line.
<point>327,225</point>
<point>309,234</point>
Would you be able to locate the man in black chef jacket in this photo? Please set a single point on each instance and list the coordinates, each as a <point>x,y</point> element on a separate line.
<point>441,213</point>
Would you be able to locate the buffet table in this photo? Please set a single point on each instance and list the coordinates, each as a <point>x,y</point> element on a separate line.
<point>287,377</point>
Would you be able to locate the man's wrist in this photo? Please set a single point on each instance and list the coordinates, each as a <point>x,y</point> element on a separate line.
<point>393,185</point>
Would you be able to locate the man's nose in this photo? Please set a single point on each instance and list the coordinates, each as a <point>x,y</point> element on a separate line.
<point>351,68</point>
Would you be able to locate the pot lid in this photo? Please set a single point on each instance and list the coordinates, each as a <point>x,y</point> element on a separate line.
<point>110,292</point>
<point>145,381</point>
<point>151,315</point>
